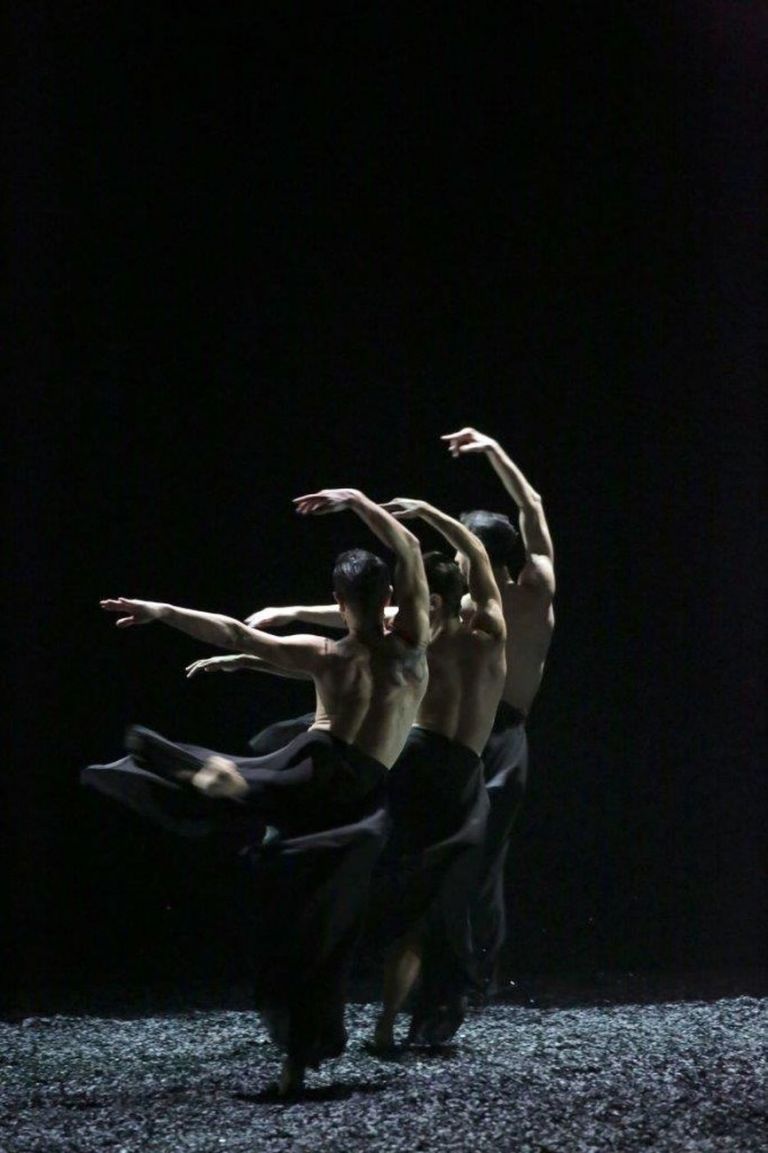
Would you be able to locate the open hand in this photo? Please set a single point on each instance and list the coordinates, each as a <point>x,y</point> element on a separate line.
<point>327,500</point>
<point>403,508</point>
<point>213,665</point>
<point>467,440</point>
<point>136,612</point>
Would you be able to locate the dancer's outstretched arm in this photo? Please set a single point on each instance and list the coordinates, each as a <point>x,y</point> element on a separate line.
<point>245,661</point>
<point>410,582</point>
<point>481,583</point>
<point>534,530</point>
<point>292,654</point>
<point>328,616</point>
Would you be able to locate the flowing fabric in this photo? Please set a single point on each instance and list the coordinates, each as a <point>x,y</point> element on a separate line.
<point>439,808</point>
<point>311,829</point>
<point>280,734</point>
<point>505,767</point>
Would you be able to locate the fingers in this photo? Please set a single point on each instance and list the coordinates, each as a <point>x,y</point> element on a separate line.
<point>309,503</point>
<point>126,622</point>
<point>313,506</point>
<point>463,441</point>
<point>403,508</point>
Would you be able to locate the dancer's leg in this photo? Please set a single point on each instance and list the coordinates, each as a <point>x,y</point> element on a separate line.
<point>401,973</point>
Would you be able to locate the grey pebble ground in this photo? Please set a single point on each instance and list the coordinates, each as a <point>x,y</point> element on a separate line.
<point>670,1077</point>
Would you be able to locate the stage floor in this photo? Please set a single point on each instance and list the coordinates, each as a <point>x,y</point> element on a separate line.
<point>670,1076</point>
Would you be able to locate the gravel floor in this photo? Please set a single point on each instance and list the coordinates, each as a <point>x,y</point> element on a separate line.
<point>666,1077</point>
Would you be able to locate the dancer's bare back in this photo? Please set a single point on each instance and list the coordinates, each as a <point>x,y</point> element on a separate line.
<point>369,691</point>
<point>527,601</point>
<point>530,617</point>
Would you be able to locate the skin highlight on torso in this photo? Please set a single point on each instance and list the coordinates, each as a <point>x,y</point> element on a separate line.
<point>369,691</point>
<point>466,676</point>
<point>530,619</point>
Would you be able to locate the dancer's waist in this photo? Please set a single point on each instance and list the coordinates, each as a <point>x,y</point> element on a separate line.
<point>449,748</point>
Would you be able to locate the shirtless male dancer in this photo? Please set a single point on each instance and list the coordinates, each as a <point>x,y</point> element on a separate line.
<point>530,619</point>
<point>438,803</point>
<point>323,793</point>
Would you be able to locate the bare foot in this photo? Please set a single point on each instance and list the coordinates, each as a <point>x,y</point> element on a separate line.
<point>219,777</point>
<point>291,1080</point>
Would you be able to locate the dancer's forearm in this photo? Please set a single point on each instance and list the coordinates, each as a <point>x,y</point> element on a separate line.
<point>295,653</point>
<point>533,522</point>
<point>254,664</point>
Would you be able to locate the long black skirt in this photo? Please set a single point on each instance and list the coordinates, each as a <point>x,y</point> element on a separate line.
<point>311,830</point>
<point>505,767</point>
<point>439,808</point>
<point>280,734</point>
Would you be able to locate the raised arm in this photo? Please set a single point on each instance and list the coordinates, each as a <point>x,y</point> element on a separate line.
<point>534,530</point>
<point>481,583</point>
<point>410,582</point>
<point>289,654</point>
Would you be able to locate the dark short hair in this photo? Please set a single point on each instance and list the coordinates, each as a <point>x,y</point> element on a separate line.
<point>444,578</point>
<point>497,533</point>
<point>361,579</point>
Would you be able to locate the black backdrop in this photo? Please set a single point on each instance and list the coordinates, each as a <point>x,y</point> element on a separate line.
<point>254,253</point>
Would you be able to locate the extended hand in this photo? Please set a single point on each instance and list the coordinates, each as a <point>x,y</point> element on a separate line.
<point>468,440</point>
<point>137,612</point>
<point>213,665</point>
<point>269,618</point>
<point>403,508</point>
<point>327,500</point>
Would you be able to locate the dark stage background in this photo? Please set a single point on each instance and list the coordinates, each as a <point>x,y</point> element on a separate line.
<point>254,253</point>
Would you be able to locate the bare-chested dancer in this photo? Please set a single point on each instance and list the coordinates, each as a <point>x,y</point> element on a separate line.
<point>528,611</point>
<point>438,803</point>
<point>323,792</point>
<point>437,798</point>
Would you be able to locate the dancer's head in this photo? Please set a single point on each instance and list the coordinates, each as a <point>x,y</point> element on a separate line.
<point>446,585</point>
<point>497,533</point>
<point>361,584</point>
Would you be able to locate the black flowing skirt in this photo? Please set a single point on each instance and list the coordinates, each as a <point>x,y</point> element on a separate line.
<point>311,830</point>
<point>505,767</point>
<point>439,807</point>
<point>280,734</point>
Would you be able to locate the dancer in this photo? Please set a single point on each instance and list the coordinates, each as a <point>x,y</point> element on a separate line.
<point>322,796</point>
<point>437,798</point>
<point>530,619</point>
